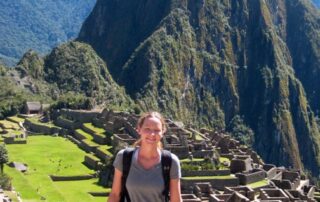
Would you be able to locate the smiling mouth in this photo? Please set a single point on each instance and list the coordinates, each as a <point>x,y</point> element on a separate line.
<point>151,140</point>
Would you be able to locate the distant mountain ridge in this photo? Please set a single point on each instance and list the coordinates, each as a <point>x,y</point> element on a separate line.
<point>205,62</point>
<point>39,25</point>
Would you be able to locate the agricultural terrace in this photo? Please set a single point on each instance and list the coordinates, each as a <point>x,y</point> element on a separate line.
<point>47,155</point>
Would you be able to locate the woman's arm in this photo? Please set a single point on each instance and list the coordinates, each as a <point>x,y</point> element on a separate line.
<point>116,187</point>
<point>175,190</point>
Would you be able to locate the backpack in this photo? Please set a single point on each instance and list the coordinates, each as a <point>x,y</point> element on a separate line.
<point>166,160</point>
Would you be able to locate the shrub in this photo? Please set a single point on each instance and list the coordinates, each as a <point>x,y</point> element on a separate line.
<point>240,131</point>
<point>5,181</point>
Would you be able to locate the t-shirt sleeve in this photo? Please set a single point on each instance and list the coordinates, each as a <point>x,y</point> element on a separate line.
<point>117,163</point>
<point>175,171</point>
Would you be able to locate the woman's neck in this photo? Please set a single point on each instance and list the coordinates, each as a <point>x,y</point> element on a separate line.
<point>148,152</point>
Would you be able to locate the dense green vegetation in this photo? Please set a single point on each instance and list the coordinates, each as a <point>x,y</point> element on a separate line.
<point>5,181</point>
<point>240,131</point>
<point>72,76</point>
<point>4,158</point>
<point>39,25</point>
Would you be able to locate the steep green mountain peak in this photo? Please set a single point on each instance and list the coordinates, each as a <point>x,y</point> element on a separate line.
<point>207,62</point>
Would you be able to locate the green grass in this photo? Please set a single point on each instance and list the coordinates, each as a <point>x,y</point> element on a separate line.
<point>258,184</point>
<point>15,119</point>
<point>93,157</point>
<point>222,159</point>
<point>46,155</point>
<point>106,149</point>
<point>85,134</point>
<point>75,186</point>
<point>193,160</point>
<point>208,177</point>
<point>14,132</point>
<point>36,121</point>
<point>5,124</point>
<point>90,143</point>
<point>93,128</point>
<point>198,137</point>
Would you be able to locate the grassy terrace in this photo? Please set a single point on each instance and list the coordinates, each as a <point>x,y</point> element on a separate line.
<point>193,160</point>
<point>14,132</point>
<point>198,137</point>
<point>5,124</point>
<point>15,119</point>
<point>46,155</point>
<point>90,142</point>
<point>106,148</point>
<point>85,134</point>
<point>36,121</point>
<point>93,128</point>
<point>261,183</point>
<point>317,196</point>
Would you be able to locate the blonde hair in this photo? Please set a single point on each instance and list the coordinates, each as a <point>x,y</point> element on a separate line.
<point>149,115</point>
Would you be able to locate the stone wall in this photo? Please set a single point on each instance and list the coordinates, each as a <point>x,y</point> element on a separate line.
<point>190,198</point>
<point>102,154</point>
<point>205,172</point>
<point>87,146</point>
<point>271,194</point>
<point>91,162</point>
<point>78,135</point>
<point>74,140</point>
<point>240,165</point>
<point>120,140</point>
<point>181,151</point>
<point>293,177</point>
<point>101,138</point>
<point>70,178</point>
<point>215,183</point>
<point>81,116</point>
<point>251,177</point>
<point>65,123</point>
<point>282,184</point>
<point>12,140</point>
<point>39,128</point>
<point>244,190</point>
<point>203,153</point>
<point>270,169</point>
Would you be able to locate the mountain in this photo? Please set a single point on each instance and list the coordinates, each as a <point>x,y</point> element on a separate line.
<point>206,62</point>
<point>39,25</point>
<point>72,76</point>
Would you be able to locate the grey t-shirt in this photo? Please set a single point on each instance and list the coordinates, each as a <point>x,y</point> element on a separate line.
<point>146,185</point>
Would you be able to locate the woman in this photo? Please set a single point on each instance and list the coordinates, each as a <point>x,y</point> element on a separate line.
<point>145,180</point>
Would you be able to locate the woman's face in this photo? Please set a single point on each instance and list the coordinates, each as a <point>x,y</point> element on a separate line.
<point>151,131</point>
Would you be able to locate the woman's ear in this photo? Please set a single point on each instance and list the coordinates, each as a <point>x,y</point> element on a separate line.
<point>138,130</point>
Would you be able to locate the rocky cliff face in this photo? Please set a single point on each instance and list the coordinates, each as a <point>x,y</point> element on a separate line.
<point>206,61</point>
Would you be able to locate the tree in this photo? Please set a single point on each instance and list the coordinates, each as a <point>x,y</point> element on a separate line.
<point>240,131</point>
<point>3,156</point>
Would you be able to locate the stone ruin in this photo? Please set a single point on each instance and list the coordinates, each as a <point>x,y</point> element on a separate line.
<point>243,168</point>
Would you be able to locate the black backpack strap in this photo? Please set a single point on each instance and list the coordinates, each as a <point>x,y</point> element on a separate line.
<point>126,163</point>
<point>166,160</point>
